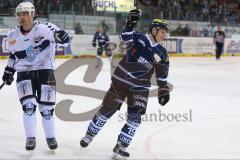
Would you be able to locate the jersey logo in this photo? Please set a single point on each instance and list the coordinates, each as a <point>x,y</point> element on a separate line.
<point>133,51</point>
<point>31,54</point>
<point>37,39</point>
<point>144,62</point>
<point>12,42</point>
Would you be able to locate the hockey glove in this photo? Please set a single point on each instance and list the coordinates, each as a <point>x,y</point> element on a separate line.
<point>133,17</point>
<point>163,95</point>
<point>61,37</point>
<point>8,75</point>
<point>94,44</point>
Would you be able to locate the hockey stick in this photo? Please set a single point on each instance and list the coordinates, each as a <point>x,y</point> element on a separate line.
<point>2,85</point>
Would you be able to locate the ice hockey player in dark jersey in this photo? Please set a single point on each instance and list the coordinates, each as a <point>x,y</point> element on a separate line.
<point>32,49</point>
<point>131,80</point>
<point>101,39</point>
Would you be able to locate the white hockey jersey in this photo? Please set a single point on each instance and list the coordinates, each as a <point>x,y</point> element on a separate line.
<point>33,51</point>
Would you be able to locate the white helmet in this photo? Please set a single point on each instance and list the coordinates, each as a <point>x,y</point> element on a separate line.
<point>26,7</point>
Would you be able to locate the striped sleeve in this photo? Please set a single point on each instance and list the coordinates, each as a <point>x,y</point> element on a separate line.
<point>127,34</point>
<point>161,70</point>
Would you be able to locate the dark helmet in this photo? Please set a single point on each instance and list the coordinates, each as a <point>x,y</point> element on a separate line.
<point>159,24</point>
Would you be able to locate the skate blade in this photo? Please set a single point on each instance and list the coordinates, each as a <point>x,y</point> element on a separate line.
<point>81,148</point>
<point>116,156</point>
<point>52,152</point>
<point>29,154</point>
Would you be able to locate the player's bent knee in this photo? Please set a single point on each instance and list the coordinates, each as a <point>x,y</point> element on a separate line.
<point>46,111</point>
<point>29,106</point>
<point>108,111</point>
<point>134,115</point>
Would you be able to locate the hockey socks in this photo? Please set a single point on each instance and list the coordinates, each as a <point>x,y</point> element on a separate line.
<point>47,120</point>
<point>127,132</point>
<point>94,127</point>
<point>96,124</point>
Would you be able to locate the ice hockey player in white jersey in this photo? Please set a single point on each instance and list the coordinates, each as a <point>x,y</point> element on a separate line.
<point>32,51</point>
<point>131,80</point>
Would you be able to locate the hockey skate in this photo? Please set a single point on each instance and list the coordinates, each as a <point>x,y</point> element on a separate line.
<point>52,143</point>
<point>30,143</point>
<point>119,152</point>
<point>86,140</point>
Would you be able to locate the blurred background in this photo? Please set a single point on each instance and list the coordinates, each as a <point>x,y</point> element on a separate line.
<point>195,18</point>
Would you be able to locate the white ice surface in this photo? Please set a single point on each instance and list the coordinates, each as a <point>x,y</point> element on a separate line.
<point>209,88</point>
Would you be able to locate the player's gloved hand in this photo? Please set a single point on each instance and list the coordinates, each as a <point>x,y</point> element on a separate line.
<point>94,44</point>
<point>133,17</point>
<point>8,75</point>
<point>163,95</point>
<point>61,37</point>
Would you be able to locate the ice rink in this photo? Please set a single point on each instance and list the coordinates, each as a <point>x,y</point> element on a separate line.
<point>201,121</point>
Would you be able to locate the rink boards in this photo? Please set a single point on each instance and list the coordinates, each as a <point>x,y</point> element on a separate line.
<point>81,46</point>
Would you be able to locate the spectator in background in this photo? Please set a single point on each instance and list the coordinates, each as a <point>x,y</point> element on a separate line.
<point>185,30</point>
<point>179,30</point>
<point>218,40</point>
<point>104,26</point>
<point>42,7</point>
<point>207,31</point>
<point>78,28</point>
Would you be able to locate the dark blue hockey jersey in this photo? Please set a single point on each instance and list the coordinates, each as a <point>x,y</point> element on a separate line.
<point>136,68</point>
<point>101,38</point>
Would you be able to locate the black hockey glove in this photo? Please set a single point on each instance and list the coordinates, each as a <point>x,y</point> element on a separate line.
<point>163,95</point>
<point>94,44</point>
<point>8,75</point>
<point>133,17</point>
<point>61,37</point>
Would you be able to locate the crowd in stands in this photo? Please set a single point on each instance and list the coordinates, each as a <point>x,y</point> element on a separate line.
<point>226,12</point>
<point>218,11</point>
<point>44,6</point>
<point>190,31</point>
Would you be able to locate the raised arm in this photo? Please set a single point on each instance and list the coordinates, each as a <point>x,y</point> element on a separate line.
<point>127,33</point>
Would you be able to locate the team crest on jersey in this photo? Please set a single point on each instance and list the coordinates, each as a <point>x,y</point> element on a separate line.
<point>12,42</point>
<point>31,54</point>
<point>37,39</point>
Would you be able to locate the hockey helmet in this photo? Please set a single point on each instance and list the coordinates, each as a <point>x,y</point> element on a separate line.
<point>159,24</point>
<point>26,7</point>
